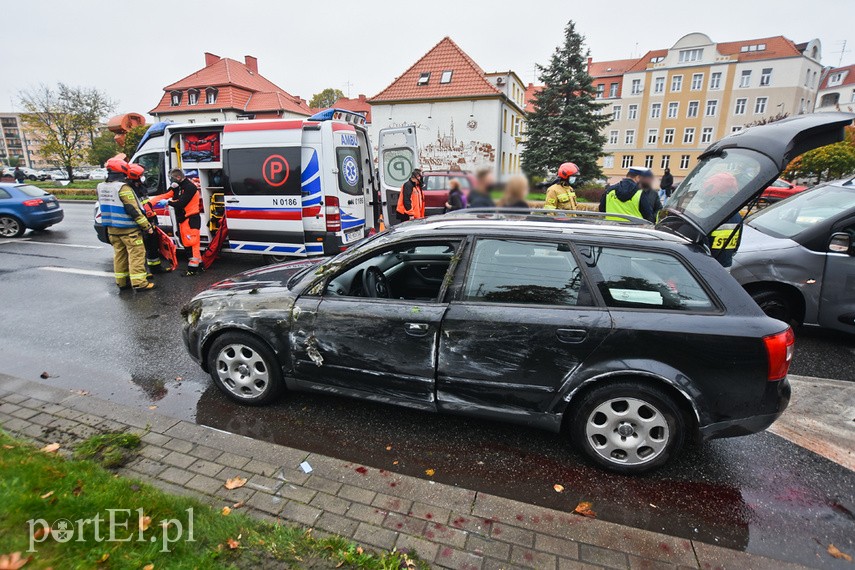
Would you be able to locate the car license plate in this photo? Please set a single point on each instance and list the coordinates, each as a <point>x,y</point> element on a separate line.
<point>352,235</point>
<point>52,205</point>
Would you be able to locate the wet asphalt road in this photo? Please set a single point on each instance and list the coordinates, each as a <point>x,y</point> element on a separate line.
<point>62,315</point>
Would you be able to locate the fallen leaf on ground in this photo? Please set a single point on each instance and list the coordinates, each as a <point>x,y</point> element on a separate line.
<point>148,567</point>
<point>152,407</point>
<point>44,375</point>
<point>226,511</point>
<point>78,488</point>
<point>238,505</point>
<point>430,472</point>
<point>359,550</point>
<point>46,495</point>
<point>395,462</point>
<point>104,557</point>
<point>232,543</point>
<point>834,551</point>
<point>584,509</point>
<point>8,447</point>
<point>235,482</point>
<point>389,448</point>
<point>50,448</point>
<point>558,488</point>
<point>13,561</point>
<point>144,522</point>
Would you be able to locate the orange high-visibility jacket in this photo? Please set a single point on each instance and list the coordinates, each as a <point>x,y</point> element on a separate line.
<point>417,202</point>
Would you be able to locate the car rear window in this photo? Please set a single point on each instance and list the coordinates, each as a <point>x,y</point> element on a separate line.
<point>515,271</point>
<point>636,279</point>
<point>789,218</point>
<point>434,182</point>
<point>31,190</point>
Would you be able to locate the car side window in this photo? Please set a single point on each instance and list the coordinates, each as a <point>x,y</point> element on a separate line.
<point>526,272</point>
<point>637,279</point>
<point>4,195</point>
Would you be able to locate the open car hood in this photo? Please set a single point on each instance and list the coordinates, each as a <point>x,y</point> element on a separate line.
<point>735,170</point>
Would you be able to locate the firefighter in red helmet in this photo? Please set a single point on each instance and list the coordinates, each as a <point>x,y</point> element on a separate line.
<point>561,196</point>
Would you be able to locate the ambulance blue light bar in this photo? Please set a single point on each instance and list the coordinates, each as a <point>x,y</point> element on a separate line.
<point>339,115</point>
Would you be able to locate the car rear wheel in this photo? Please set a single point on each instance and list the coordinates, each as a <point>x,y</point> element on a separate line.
<point>11,227</point>
<point>245,369</point>
<point>775,304</point>
<point>628,427</point>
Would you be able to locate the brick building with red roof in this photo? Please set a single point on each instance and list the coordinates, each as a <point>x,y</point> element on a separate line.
<point>466,118</point>
<point>225,90</point>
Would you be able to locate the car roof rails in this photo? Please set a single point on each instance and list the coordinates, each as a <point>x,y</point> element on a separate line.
<point>546,215</point>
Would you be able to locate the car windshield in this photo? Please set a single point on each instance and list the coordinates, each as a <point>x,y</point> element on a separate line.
<point>31,190</point>
<point>791,217</point>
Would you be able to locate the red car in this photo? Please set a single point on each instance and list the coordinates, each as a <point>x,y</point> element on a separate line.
<point>436,188</point>
<point>780,189</point>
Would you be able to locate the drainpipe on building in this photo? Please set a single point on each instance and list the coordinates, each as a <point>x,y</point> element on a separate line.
<point>501,137</point>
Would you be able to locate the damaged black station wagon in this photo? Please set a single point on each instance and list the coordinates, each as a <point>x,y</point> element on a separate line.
<point>627,337</point>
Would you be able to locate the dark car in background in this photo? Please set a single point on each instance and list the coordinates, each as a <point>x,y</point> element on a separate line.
<point>24,207</point>
<point>436,188</point>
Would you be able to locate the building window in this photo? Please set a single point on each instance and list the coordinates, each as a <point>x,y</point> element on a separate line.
<point>668,137</point>
<point>684,161</point>
<point>690,55</point>
<point>676,83</point>
<point>852,98</point>
<point>648,161</point>
<point>626,161</point>
<point>652,135</point>
<point>630,136</point>
<point>760,105</point>
<point>505,120</point>
<point>616,113</point>
<point>835,79</point>
<point>735,129</point>
<point>673,109</point>
<point>745,78</point>
<point>712,107</point>
<point>655,110</point>
<point>424,78</point>
<point>632,112</point>
<point>192,96</point>
<point>608,162</point>
<point>613,90</point>
<point>706,135</point>
<point>740,106</point>
<point>613,137</point>
<point>211,95</point>
<point>697,81</point>
<point>766,77</point>
<point>752,47</point>
<point>659,85</point>
<point>601,88</point>
<point>666,161</point>
<point>693,109</point>
<point>175,98</point>
<point>689,135</point>
<point>715,80</point>
<point>446,76</point>
<point>636,86</point>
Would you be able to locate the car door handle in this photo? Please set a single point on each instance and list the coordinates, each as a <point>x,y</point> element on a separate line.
<point>571,336</point>
<point>416,329</point>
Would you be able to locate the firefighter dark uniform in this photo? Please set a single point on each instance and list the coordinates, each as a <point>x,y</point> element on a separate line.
<point>121,213</point>
<point>560,195</point>
<point>184,197</point>
<point>411,200</point>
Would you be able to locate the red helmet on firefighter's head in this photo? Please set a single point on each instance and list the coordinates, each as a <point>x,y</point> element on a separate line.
<point>567,170</point>
<point>116,164</point>
<point>135,171</point>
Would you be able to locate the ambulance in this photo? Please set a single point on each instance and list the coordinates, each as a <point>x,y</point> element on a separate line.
<point>286,188</point>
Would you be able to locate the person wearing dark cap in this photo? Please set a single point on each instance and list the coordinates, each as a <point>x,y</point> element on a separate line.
<point>627,198</point>
<point>649,194</point>
<point>411,201</point>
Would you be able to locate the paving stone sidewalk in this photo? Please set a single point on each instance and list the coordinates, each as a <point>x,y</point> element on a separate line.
<point>448,526</point>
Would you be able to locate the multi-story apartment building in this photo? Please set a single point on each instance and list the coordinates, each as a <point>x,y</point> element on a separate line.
<point>837,90</point>
<point>672,103</point>
<point>18,146</point>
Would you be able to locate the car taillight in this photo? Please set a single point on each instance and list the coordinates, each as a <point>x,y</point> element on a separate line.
<point>779,350</point>
<point>333,214</point>
<point>34,202</point>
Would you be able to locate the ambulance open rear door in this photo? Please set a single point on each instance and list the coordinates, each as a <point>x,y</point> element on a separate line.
<point>398,155</point>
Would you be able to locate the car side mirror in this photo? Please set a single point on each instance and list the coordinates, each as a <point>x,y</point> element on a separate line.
<point>840,242</point>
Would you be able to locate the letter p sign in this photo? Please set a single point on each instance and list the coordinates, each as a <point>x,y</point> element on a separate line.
<point>276,170</point>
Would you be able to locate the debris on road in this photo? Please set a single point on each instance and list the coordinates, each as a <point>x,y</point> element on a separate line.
<point>306,467</point>
<point>558,488</point>
<point>834,551</point>
<point>50,448</point>
<point>584,509</point>
<point>235,482</point>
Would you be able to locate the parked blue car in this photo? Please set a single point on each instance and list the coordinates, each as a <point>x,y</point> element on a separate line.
<point>24,207</point>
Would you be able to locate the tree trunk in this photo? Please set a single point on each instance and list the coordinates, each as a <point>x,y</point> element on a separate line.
<point>70,171</point>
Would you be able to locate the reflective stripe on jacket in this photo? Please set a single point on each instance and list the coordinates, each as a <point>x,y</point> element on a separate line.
<point>615,205</point>
<point>113,196</point>
<point>560,197</point>
<point>726,236</point>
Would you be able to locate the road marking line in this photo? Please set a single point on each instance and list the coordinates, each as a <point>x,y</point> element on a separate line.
<point>13,240</point>
<point>77,271</point>
<point>62,244</point>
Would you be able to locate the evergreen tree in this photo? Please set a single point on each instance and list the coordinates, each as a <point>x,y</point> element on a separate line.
<point>566,124</point>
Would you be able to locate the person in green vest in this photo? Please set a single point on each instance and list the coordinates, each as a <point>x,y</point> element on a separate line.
<point>627,197</point>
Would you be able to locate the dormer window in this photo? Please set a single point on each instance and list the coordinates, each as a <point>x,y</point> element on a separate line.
<point>835,79</point>
<point>446,76</point>
<point>192,96</point>
<point>211,95</point>
<point>424,78</point>
<point>175,98</point>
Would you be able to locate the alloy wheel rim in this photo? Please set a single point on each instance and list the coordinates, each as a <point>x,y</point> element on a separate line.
<point>627,431</point>
<point>243,371</point>
<point>9,227</point>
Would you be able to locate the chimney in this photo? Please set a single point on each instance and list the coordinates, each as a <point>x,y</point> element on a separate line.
<point>362,98</point>
<point>590,61</point>
<point>211,59</point>
<point>251,63</point>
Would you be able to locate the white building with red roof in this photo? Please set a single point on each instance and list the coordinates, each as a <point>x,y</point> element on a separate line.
<point>225,90</point>
<point>837,90</point>
<point>467,119</point>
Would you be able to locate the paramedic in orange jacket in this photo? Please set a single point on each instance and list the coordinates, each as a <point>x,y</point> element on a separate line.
<point>411,200</point>
<point>184,197</point>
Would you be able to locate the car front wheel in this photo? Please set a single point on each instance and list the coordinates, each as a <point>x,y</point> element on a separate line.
<point>628,427</point>
<point>11,227</point>
<point>245,369</point>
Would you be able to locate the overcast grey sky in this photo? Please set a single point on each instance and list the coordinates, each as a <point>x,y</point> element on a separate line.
<point>132,49</point>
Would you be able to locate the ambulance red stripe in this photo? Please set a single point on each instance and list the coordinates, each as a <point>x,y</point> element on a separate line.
<point>272,214</point>
<point>266,125</point>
